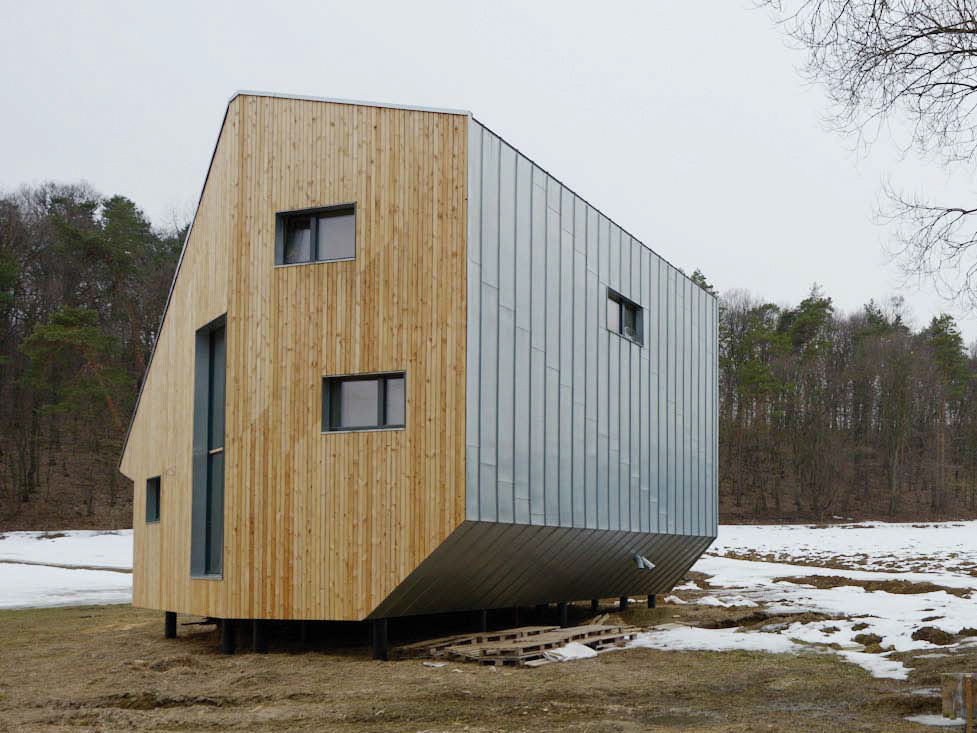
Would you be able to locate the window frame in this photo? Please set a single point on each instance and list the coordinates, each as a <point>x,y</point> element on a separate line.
<point>154,484</point>
<point>622,304</point>
<point>381,378</point>
<point>281,228</point>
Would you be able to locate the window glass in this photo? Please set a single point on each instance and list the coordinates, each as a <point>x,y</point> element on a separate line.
<point>358,403</point>
<point>337,235</point>
<point>298,239</point>
<point>613,315</point>
<point>629,317</point>
<point>395,401</point>
<point>152,499</point>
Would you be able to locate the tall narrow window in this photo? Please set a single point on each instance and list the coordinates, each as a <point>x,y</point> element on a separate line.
<point>624,317</point>
<point>315,235</point>
<point>207,521</point>
<point>152,499</point>
<point>364,402</point>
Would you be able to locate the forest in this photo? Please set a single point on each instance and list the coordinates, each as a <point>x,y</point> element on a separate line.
<point>822,414</point>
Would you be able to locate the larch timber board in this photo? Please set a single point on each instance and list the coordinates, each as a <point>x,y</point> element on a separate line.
<point>316,525</point>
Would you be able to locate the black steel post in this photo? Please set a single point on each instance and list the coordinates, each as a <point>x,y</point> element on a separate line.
<point>483,620</point>
<point>380,639</point>
<point>651,601</point>
<point>594,605</point>
<point>562,608</point>
<point>515,616</point>
<point>623,603</point>
<point>227,635</point>
<point>169,624</point>
<point>259,636</point>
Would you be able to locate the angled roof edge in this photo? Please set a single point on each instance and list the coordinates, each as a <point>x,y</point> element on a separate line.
<point>196,211</point>
<point>353,102</point>
<point>169,295</point>
<point>648,247</point>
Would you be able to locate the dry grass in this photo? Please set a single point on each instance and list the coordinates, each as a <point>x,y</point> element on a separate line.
<point>889,586</point>
<point>108,668</point>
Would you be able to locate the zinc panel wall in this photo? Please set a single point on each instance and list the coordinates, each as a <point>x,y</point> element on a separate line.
<point>570,424</point>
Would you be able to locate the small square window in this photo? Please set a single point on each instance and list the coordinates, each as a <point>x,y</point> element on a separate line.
<point>624,317</point>
<point>315,235</point>
<point>152,499</point>
<point>367,402</point>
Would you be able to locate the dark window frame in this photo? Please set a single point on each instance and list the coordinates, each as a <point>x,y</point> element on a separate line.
<point>623,305</point>
<point>329,384</point>
<point>154,496</point>
<point>281,227</point>
<point>209,430</point>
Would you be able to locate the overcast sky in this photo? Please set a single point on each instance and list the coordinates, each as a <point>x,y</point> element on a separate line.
<point>687,123</point>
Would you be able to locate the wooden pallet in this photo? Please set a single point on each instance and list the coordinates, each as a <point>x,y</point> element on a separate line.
<point>528,649</point>
<point>436,647</point>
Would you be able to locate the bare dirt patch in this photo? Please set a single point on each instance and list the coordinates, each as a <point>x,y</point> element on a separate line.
<point>108,668</point>
<point>888,586</point>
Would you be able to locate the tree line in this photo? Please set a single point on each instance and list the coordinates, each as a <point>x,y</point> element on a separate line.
<point>826,415</point>
<point>83,279</point>
<point>821,413</point>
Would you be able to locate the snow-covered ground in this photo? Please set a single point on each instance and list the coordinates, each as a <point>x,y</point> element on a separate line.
<point>941,554</point>
<point>73,568</point>
<point>938,547</point>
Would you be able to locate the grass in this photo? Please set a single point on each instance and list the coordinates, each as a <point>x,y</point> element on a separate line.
<point>108,668</point>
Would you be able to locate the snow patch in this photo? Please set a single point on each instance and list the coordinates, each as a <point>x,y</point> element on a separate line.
<point>88,548</point>
<point>573,650</point>
<point>676,637</point>
<point>935,720</point>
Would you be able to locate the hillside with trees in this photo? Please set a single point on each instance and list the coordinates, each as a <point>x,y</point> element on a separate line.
<point>83,279</point>
<point>822,414</point>
<point>825,414</point>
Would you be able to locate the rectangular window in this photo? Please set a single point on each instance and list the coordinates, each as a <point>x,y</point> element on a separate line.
<point>364,402</point>
<point>152,499</point>
<point>326,234</point>
<point>207,511</point>
<point>624,317</point>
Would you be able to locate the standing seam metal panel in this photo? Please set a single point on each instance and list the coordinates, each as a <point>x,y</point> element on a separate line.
<point>569,424</point>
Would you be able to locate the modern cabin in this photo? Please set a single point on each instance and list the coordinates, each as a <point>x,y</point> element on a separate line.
<point>402,369</point>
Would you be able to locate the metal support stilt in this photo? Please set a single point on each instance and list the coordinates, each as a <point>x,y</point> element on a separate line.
<point>483,620</point>
<point>227,635</point>
<point>169,624</point>
<point>623,603</point>
<point>562,608</point>
<point>380,639</point>
<point>651,601</point>
<point>594,605</point>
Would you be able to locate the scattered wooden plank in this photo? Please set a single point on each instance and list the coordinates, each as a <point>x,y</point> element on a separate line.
<point>960,698</point>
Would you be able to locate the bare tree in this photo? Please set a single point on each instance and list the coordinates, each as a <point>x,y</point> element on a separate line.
<point>903,60</point>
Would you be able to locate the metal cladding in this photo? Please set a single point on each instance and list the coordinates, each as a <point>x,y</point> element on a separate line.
<point>570,424</point>
<point>497,565</point>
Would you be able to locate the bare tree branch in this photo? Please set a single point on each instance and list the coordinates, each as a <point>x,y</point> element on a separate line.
<point>914,60</point>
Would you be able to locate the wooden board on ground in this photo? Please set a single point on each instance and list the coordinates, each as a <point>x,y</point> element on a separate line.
<point>524,646</point>
<point>960,698</point>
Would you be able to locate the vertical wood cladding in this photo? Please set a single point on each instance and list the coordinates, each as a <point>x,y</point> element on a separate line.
<point>316,525</point>
<point>569,424</point>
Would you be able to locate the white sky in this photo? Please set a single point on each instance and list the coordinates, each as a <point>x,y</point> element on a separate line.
<point>685,122</point>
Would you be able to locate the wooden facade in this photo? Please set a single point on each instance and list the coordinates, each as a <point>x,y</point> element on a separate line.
<point>316,525</point>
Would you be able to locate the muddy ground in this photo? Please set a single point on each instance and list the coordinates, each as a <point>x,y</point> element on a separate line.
<point>108,668</point>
